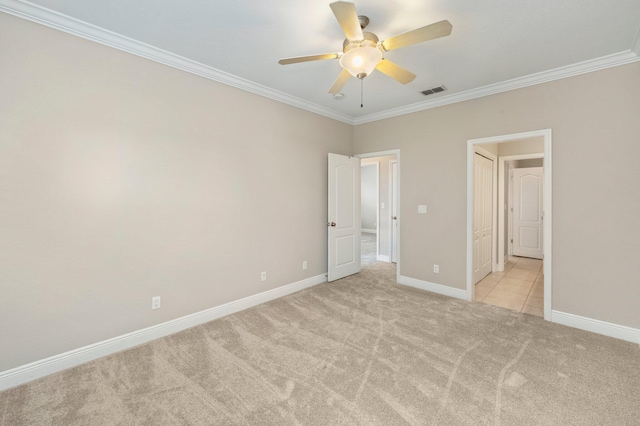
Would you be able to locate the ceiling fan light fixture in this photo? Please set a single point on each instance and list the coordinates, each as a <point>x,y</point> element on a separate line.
<point>363,51</point>
<point>361,61</point>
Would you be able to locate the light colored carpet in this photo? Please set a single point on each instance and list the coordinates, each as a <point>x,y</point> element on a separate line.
<point>361,350</point>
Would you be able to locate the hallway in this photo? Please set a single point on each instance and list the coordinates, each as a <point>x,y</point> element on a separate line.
<point>368,248</point>
<point>519,288</point>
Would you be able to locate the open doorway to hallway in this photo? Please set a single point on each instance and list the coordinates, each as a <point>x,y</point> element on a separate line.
<point>516,279</point>
<point>378,209</point>
<point>369,213</point>
<point>519,285</point>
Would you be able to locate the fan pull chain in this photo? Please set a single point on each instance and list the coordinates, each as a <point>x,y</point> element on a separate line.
<point>361,91</point>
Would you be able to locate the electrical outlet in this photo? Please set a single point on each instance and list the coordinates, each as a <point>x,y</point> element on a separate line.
<point>304,265</point>
<point>155,302</point>
<point>263,276</point>
<point>436,269</point>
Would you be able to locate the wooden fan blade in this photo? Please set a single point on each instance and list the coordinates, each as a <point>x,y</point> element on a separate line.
<point>395,71</point>
<point>340,81</point>
<point>437,30</point>
<point>287,61</point>
<point>348,19</point>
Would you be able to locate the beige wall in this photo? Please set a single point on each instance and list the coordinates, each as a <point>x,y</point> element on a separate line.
<point>123,179</point>
<point>524,146</point>
<point>596,244</point>
<point>532,162</point>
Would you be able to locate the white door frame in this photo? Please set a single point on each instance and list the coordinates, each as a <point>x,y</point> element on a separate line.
<point>395,152</point>
<point>471,143</point>
<point>393,197</point>
<point>502,218</point>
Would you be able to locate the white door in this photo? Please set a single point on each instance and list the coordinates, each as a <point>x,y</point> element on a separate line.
<point>394,211</point>
<point>482,216</point>
<point>344,216</point>
<point>527,212</point>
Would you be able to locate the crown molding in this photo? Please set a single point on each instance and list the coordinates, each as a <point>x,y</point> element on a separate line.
<point>67,24</point>
<point>52,19</point>
<point>604,62</point>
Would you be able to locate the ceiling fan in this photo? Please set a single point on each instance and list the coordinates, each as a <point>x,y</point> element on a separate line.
<point>362,51</point>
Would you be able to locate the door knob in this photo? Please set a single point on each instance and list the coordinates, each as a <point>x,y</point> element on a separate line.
<point>394,217</point>
<point>331,224</point>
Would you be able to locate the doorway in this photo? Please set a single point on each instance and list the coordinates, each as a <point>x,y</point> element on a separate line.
<point>518,284</point>
<point>369,201</point>
<point>501,264</point>
<point>388,206</point>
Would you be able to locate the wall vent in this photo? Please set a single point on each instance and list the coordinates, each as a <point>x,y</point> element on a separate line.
<point>434,90</point>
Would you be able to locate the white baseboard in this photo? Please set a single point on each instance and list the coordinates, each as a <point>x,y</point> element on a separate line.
<point>368,231</point>
<point>35,370</point>
<point>434,288</point>
<point>384,258</point>
<point>621,332</point>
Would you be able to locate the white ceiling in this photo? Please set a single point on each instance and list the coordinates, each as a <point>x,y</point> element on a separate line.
<point>495,45</point>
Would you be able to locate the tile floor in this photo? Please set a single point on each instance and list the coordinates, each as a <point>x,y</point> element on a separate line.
<point>519,288</point>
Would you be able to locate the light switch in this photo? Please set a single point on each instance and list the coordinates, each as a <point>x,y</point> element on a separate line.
<point>422,208</point>
<point>382,205</point>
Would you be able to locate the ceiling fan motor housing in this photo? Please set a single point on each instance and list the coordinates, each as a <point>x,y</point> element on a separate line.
<point>363,20</point>
<point>370,39</point>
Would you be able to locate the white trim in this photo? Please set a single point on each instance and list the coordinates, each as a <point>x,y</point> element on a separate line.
<point>393,202</point>
<point>596,326</point>
<point>384,258</point>
<point>609,61</point>
<point>510,212</point>
<point>368,231</point>
<point>445,290</point>
<point>395,152</point>
<point>379,154</point>
<point>67,24</point>
<point>547,195</point>
<point>73,358</point>
<point>59,21</point>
